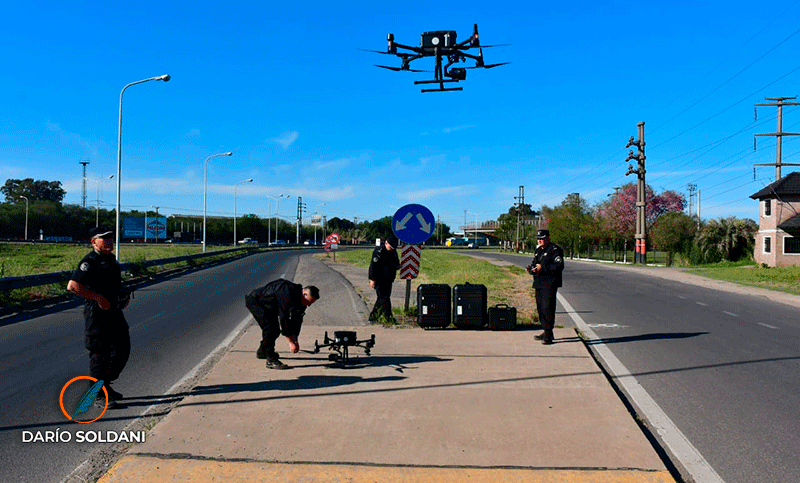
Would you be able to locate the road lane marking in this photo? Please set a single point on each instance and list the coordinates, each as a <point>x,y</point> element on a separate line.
<point>730,313</point>
<point>675,441</point>
<point>701,303</point>
<point>768,326</point>
<point>188,376</point>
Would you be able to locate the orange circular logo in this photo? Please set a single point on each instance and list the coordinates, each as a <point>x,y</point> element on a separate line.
<point>83,400</point>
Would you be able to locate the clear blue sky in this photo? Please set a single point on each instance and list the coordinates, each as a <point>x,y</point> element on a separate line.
<point>306,114</point>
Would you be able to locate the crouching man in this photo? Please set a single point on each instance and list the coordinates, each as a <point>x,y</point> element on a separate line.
<point>278,308</point>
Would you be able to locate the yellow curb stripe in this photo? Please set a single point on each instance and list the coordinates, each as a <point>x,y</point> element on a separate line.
<point>144,469</point>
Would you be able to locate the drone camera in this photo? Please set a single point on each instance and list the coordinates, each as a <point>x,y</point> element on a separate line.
<point>458,73</point>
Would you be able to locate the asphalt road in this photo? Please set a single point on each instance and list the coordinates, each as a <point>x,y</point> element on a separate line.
<point>724,367</point>
<point>171,333</point>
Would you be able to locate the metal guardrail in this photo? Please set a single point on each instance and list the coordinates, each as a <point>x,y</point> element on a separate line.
<point>11,283</point>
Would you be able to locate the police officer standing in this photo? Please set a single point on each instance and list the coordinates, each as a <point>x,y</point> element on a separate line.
<point>98,280</point>
<point>382,272</point>
<point>546,268</point>
<point>278,308</point>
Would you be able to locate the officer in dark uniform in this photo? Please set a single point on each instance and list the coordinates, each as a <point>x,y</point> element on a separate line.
<point>382,272</point>
<point>98,280</point>
<point>546,268</point>
<point>278,308</point>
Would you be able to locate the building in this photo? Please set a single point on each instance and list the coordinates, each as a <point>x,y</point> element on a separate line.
<point>778,237</point>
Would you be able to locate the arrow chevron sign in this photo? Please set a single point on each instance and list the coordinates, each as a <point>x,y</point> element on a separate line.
<point>409,262</point>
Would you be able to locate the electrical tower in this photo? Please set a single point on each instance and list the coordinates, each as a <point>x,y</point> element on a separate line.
<point>779,102</point>
<point>640,255</point>
<point>84,162</point>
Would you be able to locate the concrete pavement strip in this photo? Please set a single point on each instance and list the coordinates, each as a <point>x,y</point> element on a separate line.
<point>436,405</point>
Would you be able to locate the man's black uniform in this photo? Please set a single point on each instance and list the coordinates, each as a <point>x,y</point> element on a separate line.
<point>106,331</point>
<point>278,309</point>
<point>546,283</point>
<point>383,271</point>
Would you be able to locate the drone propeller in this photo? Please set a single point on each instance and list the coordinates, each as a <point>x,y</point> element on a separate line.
<point>496,45</point>
<point>399,69</point>
<point>376,51</point>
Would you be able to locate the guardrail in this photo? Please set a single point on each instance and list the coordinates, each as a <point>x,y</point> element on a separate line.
<point>11,283</point>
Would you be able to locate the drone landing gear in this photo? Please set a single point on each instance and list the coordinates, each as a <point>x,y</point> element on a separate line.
<point>341,342</point>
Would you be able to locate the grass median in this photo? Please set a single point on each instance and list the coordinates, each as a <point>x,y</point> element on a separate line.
<point>507,284</point>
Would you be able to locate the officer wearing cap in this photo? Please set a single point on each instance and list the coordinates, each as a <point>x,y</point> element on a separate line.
<point>546,268</point>
<point>382,272</point>
<point>98,280</point>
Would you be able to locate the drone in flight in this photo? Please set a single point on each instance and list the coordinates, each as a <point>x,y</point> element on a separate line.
<point>442,45</point>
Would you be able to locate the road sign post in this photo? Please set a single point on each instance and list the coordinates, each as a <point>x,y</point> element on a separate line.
<point>409,266</point>
<point>413,224</point>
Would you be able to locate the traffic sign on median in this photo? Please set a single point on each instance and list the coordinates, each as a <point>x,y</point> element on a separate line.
<point>413,224</point>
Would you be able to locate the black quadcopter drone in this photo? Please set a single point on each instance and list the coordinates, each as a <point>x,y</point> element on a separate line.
<point>439,44</point>
<point>341,342</point>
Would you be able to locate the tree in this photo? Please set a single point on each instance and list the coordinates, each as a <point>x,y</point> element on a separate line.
<point>619,214</point>
<point>571,224</point>
<point>672,233</point>
<point>39,190</point>
<point>726,238</point>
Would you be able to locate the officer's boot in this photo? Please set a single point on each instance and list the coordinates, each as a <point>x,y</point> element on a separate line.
<point>548,337</point>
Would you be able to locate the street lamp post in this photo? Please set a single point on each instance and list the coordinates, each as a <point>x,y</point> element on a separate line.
<point>26,215</point>
<point>476,229</point>
<point>205,192</point>
<point>277,209</point>
<point>164,78</point>
<point>158,223</point>
<point>315,226</point>
<point>234,207</point>
<point>97,200</point>
<point>269,219</point>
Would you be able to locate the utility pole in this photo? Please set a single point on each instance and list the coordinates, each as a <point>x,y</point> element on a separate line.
<point>84,162</point>
<point>640,255</point>
<point>779,102</point>
<point>520,201</point>
<point>300,208</point>
<point>692,188</point>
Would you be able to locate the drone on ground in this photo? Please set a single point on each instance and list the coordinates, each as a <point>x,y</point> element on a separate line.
<point>440,44</point>
<point>341,342</point>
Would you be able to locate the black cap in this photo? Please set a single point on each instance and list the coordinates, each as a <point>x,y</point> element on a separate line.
<point>392,241</point>
<point>542,234</point>
<point>100,232</point>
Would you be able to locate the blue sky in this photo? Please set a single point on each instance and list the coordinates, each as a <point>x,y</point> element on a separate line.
<point>306,114</point>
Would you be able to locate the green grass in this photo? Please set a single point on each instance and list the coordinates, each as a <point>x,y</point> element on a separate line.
<point>17,260</point>
<point>503,283</point>
<point>784,279</point>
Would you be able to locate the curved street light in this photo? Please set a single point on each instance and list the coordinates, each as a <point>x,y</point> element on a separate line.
<point>26,215</point>
<point>164,78</point>
<point>205,192</point>
<point>235,242</point>
<point>277,204</point>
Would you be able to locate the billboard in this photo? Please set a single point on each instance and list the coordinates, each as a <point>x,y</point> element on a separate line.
<point>134,227</point>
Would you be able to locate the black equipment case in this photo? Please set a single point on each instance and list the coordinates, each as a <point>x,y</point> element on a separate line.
<point>469,306</point>
<point>433,305</point>
<point>502,317</point>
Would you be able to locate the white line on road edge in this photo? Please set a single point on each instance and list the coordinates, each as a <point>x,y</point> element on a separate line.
<point>767,326</point>
<point>189,375</point>
<point>680,447</point>
<point>730,313</point>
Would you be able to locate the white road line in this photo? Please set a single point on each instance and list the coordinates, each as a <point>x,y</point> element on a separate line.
<point>687,455</point>
<point>701,303</point>
<point>730,313</point>
<point>192,373</point>
<point>768,326</point>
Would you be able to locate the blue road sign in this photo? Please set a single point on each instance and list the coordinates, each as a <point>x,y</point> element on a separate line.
<point>413,224</point>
